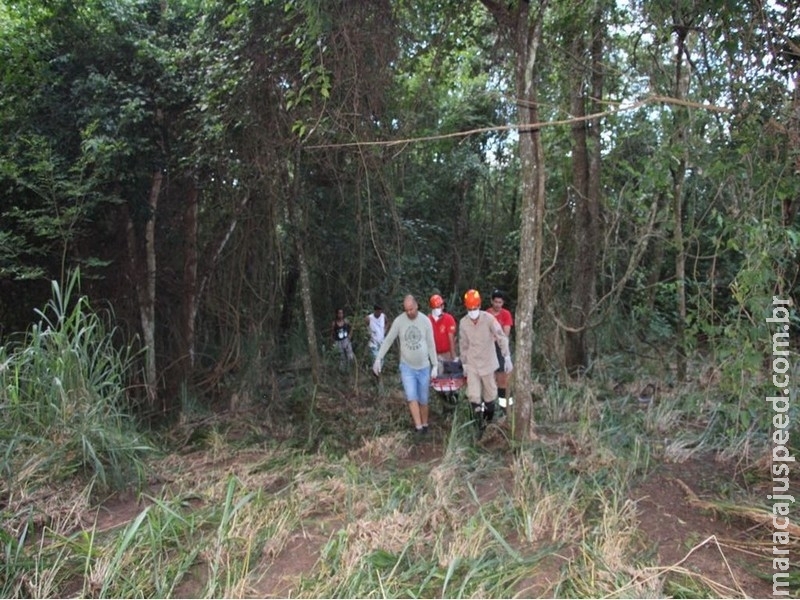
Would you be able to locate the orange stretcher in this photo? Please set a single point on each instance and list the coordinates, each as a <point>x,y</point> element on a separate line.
<point>448,384</point>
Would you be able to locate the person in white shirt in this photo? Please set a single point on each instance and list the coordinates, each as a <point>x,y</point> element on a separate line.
<point>376,326</point>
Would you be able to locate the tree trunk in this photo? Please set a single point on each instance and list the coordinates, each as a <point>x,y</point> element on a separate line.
<point>655,262</point>
<point>586,159</point>
<point>149,309</point>
<point>525,30</point>
<point>289,297</point>
<point>460,229</point>
<point>578,211</point>
<point>189,280</point>
<point>144,278</point>
<point>296,228</point>
<point>680,271</point>
<point>680,120</point>
<point>595,154</point>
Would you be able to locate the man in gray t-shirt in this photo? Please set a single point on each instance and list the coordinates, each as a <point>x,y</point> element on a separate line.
<point>417,358</point>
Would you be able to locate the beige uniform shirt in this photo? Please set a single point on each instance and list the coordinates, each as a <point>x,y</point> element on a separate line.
<point>476,343</point>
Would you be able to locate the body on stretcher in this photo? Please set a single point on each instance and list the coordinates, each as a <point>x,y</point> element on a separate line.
<point>449,382</point>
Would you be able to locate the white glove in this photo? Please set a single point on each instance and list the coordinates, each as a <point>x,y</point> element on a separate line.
<point>376,367</point>
<point>434,372</point>
<point>508,366</point>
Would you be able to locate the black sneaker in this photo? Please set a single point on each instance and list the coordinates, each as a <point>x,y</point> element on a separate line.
<point>424,429</point>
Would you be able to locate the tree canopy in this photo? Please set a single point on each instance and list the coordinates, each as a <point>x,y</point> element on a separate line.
<point>227,174</point>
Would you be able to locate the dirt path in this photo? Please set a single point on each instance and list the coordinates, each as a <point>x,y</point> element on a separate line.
<point>689,542</point>
<point>702,542</point>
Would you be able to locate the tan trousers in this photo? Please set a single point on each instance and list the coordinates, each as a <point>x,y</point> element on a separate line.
<point>481,386</point>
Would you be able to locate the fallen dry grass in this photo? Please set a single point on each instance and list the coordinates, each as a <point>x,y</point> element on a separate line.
<point>442,516</point>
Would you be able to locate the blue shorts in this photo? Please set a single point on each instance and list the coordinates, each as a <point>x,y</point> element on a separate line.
<point>416,383</point>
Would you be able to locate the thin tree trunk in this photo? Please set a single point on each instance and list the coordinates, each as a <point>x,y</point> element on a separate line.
<point>655,263</point>
<point>459,233</point>
<point>524,31</point>
<point>305,280</point>
<point>145,284</point>
<point>289,296</point>
<point>190,299</point>
<point>595,155</point>
<point>149,309</point>
<point>528,39</point>
<point>678,177</point>
<point>586,161</point>
<point>576,317</point>
<point>211,261</point>
<point>680,271</point>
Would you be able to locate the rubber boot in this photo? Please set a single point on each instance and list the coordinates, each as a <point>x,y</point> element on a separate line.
<point>488,411</point>
<point>478,417</point>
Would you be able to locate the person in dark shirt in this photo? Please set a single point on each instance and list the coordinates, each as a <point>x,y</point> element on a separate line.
<point>340,332</point>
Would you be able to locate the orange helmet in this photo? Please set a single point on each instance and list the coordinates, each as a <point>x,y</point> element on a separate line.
<point>436,301</point>
<point>472,300</point>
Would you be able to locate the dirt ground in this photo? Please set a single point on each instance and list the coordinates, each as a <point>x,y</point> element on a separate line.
<point>687,536</point>
<point>686,539</point>
<point>689,541</point>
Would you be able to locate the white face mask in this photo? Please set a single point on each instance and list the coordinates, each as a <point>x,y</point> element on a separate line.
<point>474,314</point>
<point>437,312</point>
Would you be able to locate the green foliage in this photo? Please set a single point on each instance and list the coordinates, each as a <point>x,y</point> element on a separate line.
<point>63,389</point>
<point>756,254</point>
<point>94,97</point>
<point>54,203</point>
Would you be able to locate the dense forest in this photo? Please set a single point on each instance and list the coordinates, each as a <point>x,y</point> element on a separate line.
<point>226,175</point>
<point>190,189</point>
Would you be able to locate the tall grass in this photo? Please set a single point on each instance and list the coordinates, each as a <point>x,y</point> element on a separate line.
<point>364,512</point>
<point>63,394</point>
